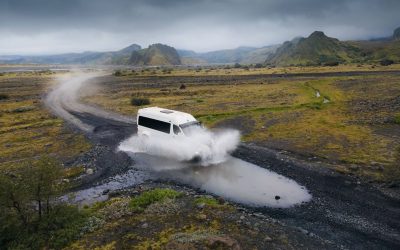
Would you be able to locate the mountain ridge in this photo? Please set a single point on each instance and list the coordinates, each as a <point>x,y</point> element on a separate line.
<point>316,49</point>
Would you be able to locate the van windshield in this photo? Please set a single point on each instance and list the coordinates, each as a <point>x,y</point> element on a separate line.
<point>189,126</point>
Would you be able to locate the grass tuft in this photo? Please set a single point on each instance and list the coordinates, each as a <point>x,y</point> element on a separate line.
<point>207,200</point>
<point>139,203</point>
<point>139,101</point>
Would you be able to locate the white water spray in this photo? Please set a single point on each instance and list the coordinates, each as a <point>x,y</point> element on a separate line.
<point>217,172</point>
<point>210,147</point>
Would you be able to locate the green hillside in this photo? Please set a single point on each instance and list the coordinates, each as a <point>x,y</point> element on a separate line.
<point>156,54</point>
<point>317,49</point>
<point>375,51</point>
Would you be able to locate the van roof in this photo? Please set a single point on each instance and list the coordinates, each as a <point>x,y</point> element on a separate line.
<point>173,116</point>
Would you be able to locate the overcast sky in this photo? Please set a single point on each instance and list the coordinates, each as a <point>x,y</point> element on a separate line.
<point>58,26</point>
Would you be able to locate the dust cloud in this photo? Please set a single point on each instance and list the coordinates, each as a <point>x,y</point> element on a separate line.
<point>65,97</point>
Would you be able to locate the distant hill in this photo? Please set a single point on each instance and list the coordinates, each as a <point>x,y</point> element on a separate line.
<point>156,54</point>
<point>375,51</point>
<point>396,34</point>
<point>316,49</point>
<point>238,55</point>
<point>119,57</point>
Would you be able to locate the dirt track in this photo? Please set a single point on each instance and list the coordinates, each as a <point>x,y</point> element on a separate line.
<point>344,211</point>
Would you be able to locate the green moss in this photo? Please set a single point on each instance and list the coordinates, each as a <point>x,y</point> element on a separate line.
<point>142,201</point>
<point>206,200</point>
<point>73,172</point>
<point>397,119</point>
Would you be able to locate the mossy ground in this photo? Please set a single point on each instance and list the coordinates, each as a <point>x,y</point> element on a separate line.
<point>184,225</point>
<point>27,129</point>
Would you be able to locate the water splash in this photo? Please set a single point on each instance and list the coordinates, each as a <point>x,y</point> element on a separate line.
<point>233,179</point>
<point>211,147</point>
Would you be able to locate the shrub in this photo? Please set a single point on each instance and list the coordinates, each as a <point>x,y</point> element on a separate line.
<point>147,198</point>
<point>331,63</point>
<point>23,109</point>
<point>4,96</point>
<point>118,73</point>
<point>31,214</point>
<point>258,65</point>
<point>140,101</point>
<point>167,71</point>
<point>386,62</point>
<point>237,65</point>
<point>183,86</point>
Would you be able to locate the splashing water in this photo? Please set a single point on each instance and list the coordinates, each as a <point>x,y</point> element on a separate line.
<point>228,177</point>
<point>209,147</point>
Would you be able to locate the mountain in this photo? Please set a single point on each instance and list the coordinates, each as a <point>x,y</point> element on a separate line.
<point>226,56</point>
<point>119,57</point>
<point>396,34</point>
<point>317,49</point>
<point>238,55</point>
<point>186,53</point>
<point>156,54</point>
<point>376,51</point>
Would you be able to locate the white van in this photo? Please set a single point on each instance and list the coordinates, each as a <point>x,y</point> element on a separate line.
<point>155,121</point>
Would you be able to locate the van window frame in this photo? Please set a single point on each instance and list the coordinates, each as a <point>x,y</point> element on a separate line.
<point>154,124</point>
<point>177,127</point>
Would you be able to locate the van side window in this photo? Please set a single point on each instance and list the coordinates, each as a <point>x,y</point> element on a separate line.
<point>154,124</point>
<point>177,130</point>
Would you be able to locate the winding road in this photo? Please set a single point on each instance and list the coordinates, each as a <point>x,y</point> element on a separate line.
<point>344,212</point>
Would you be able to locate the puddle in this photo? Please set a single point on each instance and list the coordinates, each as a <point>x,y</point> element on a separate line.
<point>234,180</point>
<point>97,193</point>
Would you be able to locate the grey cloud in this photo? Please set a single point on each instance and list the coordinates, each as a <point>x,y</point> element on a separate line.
<point>31,26</point>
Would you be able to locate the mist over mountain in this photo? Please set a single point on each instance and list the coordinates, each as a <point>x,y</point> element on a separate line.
<point>316,49</point>
<point>238,55</point>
